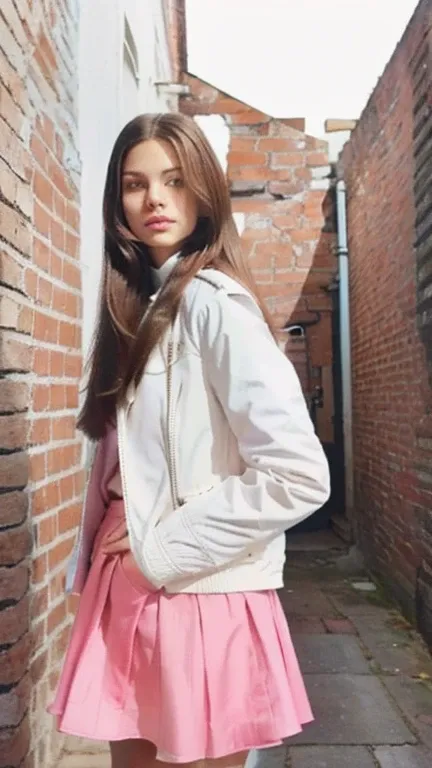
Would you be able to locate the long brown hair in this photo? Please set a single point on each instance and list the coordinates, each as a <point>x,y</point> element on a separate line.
<point>123,340</point>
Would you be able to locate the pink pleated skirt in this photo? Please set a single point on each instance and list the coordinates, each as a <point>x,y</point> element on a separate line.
<point>199,676</point>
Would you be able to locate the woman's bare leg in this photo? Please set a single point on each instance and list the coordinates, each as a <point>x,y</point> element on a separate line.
<point>133,753</point>
<point>230,761</point>
<point>137,753</point>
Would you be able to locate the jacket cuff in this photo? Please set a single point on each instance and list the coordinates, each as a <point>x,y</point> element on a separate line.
<point>155,564</point>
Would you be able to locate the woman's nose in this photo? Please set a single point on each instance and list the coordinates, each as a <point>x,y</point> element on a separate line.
<point>154,197</point>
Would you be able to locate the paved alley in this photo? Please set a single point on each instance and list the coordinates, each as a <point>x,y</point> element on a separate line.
<point>368,675</point>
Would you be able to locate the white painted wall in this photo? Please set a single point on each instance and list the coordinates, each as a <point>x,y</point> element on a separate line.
<point>109,97</point>
<point>296,58</point>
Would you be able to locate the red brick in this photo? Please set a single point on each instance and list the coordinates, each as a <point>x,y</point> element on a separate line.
<point>14,582</point>
<point>71,275</point>
<point>9,110</point>
<point>41,397</point>
<point>59,553</point>
<point>316,159</point>
<point>59,178</point>
<point>45,498</point>
<point>43,190</point>
<point>39,603</point>
<point>39,667</point>
<point>286,159</point>
<point>66,488</point>
<point>46,328</point>
<point>41,427</point>
<point>56,266</point>
<point>39,568</point>
<point>73,366</point>
<point>249,117</point>
<point>14,395</point>
<point>41,254</point>
<point>64,428</point>
<point>69,518</point>
<point>41,361</point>
<point>11,272</point>
<point>14,229</point>
<point>42,220</point>
<point>240,144</point>
<point>278,145</point>
<point>13,431</point>
<point>57,364</point>
<point>56,617</point>
<point>14,744</point>
<point>70,335</point>
<point>47,530</point>
<point>57,587</point>
<point>13,508</point>
<point>226,105</point>
<point>39,152</point>
<point>14,660</point>
<point>13,470</point>
<point>37,467</point>
<point>289,221</point>
<point>14,622</point>
<point>57,233</point>
<point>61,642</point>
<point>285,188</point>
<point>14,703</point>
<point>15,544</point>
<point>247,158</point>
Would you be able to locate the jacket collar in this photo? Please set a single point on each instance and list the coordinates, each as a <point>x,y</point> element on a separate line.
<point>218,278</point>
<point>161,274</point>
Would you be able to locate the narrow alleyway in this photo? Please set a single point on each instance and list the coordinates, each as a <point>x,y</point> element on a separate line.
<point>368,675</point>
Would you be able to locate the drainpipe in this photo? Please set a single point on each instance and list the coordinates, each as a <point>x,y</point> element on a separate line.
<point>345,347</point>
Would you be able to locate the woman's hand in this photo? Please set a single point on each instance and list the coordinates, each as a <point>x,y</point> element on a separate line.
<point>117,543</point>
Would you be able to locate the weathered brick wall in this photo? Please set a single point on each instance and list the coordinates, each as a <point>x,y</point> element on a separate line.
<point>279,179</point>
<point>40,361</point>
<point>392,395</point>
<point>175,21</point>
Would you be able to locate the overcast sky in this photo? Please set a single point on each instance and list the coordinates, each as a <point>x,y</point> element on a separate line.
<point>296,58</point>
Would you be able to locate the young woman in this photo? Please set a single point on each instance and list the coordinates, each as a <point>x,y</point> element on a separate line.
<point>206,455</point>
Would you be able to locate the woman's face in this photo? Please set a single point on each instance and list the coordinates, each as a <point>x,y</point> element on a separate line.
<point>159,209</point>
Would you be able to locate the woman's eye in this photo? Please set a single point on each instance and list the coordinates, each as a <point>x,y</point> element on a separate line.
<point>178,182</point>
<point>132,185</point>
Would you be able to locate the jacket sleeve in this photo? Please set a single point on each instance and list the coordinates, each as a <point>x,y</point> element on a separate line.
<point>286,477</point>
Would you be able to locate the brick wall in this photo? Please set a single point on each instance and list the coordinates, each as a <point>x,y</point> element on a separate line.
<point>386,180</point>
<point>40,361</point>
<point>175,21</point>
<point>279,179</point>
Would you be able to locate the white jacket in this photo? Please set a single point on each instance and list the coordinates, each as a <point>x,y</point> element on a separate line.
<point>218,454</point>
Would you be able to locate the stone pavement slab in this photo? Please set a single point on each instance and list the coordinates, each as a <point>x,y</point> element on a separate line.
<point>306,601</point>
<point>84,760</point>
<point>85,753</point>
<point>414,698</point>
<point>306,625</point>
<point>331,757</point>
<point>330,654</point>
<point>352,710</point>
<point>403,757</point>
<point>275,757</point>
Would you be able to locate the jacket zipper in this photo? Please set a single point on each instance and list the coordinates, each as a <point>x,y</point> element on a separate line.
<point>121,424</point>
<point>177,501</point>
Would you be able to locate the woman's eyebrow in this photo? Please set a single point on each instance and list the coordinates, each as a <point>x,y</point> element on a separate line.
<point>174,169</point>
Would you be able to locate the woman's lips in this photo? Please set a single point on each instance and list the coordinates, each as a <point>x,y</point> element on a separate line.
<point>159,226</point>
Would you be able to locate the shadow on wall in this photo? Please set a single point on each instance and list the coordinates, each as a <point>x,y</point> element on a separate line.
<point>312,345</point>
